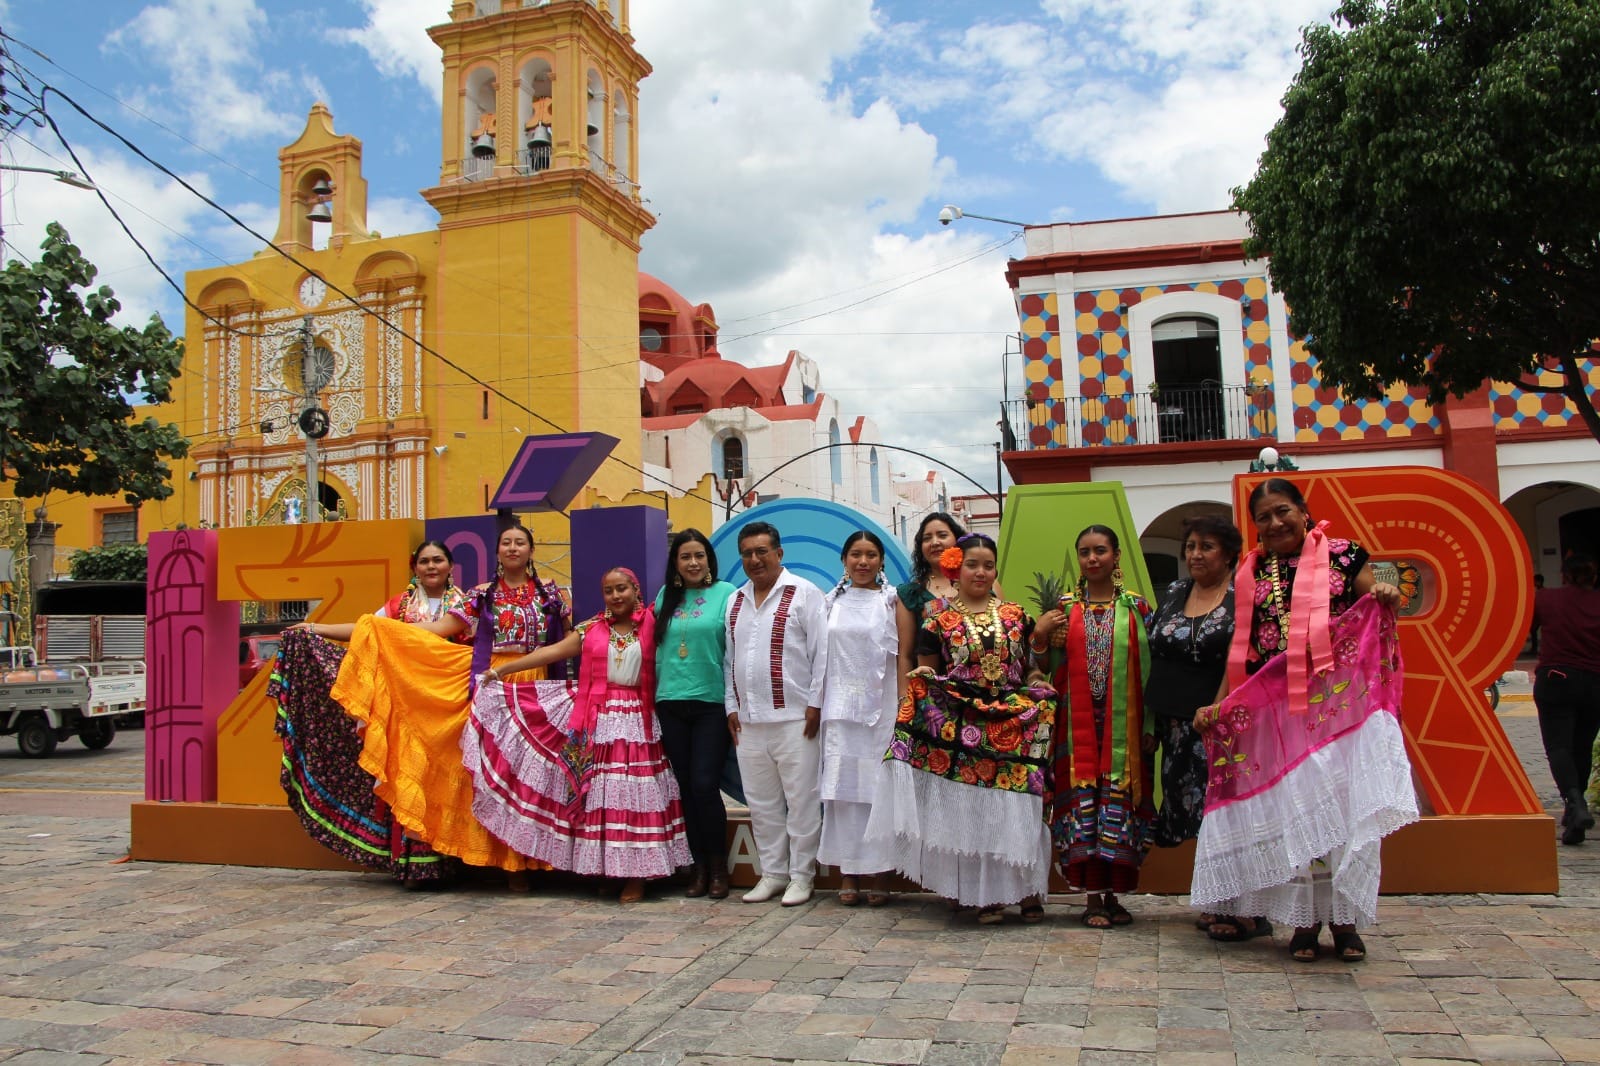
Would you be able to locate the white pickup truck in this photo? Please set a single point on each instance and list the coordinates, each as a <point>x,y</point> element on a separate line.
<point>45,704</point>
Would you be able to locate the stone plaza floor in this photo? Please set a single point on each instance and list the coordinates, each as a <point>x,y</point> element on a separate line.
<point>104,961</point>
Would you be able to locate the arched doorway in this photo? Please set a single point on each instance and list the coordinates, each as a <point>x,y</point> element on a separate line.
<point>1557,517</point>
<point>1188,378</point>
<point>1162,542</point>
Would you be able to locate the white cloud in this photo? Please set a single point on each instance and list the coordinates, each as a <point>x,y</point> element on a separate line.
<point>211,51</point>
<point>395,37</point>
<point>159,212</point>
<point>394,216</point>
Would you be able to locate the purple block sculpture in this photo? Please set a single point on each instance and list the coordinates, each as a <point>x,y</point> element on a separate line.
<point>548,472</point>
<point>192,643</point>
<point>635,537</point>
<point>472,542</point>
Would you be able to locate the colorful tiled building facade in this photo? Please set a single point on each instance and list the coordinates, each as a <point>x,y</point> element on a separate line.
<point>1156,353</point>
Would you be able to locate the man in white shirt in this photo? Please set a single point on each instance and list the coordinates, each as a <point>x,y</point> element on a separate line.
<point>777,657</point>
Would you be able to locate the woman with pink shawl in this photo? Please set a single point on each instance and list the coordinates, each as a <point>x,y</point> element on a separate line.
<point>575,776</point>
<point>1308,765</point>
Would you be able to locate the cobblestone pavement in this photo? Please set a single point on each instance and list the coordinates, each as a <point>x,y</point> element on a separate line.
<point>109,962</point>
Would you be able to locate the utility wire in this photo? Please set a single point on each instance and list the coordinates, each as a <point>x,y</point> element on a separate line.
<point>48,90</point>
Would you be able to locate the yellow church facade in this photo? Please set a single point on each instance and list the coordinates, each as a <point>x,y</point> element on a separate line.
<point>433,354</point>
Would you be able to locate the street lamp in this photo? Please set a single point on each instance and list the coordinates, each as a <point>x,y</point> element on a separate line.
<point>950,212</point>
<point>65,177</point>
<point>1270,462</point>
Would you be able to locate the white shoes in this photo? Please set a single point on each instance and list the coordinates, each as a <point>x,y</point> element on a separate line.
<point>797,893</point>
<point>768,887</point>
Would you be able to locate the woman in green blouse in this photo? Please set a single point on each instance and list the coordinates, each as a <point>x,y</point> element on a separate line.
<point>690,640</point>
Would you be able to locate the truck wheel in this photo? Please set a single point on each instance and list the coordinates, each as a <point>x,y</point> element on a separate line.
<point>97,733</point>
<point>35,738</point>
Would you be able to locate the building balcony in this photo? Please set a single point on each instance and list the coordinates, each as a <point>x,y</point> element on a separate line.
<point>1173,415</point>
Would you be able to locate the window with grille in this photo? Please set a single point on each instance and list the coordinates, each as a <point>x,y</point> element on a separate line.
<point>118,527</point>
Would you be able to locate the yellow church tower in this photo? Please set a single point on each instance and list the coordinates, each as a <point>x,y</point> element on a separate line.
<point>530,283</point>
<point>540,222</point>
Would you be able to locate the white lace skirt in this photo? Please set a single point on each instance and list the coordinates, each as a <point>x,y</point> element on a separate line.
<point>978,846</point>
<point>1307,849</point>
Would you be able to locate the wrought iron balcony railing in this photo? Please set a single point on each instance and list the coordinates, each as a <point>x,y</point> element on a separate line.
<point>1171,415</point>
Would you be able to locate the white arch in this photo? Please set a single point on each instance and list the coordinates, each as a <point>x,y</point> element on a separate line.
<point>1142,318</point>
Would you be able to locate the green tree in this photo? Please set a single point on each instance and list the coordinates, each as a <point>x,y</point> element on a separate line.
<point>66,373</point>
<point>1430,199</point>
<point>118,562</point>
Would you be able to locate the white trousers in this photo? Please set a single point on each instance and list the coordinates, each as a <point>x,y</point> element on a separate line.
<point>779,768</point>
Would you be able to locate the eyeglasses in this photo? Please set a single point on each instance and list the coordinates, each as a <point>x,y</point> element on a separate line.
<point>755,553</point>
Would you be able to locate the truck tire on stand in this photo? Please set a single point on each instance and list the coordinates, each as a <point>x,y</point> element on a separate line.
<point>97,733</point>
<point>35,738</point>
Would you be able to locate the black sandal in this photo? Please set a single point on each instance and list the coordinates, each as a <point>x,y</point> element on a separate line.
<point>1032,911</point>
<point>1303,945</point>
<point>1349,946</point>
<point>1119,914</point>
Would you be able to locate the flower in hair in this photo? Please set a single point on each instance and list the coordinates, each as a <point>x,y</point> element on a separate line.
<point>950,562</point>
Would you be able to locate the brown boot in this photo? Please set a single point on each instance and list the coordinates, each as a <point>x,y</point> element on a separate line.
<point>697,881</point>
<point>717,882</point>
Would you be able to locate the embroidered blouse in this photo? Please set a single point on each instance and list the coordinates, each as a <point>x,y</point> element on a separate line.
<point>991,656</point>
<point>1346,559</point>
<point>524,617</point>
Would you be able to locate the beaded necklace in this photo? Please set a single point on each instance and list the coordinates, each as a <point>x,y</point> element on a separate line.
<point>620,643</point>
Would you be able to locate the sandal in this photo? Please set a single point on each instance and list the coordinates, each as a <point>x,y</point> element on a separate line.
<point>632,891</point>
<point>1096,918</point>
<point>1231,930</point>
<point>991,915</point>
<point>1348,945</point>
<point>1206,921</point>
<point>1303,945</point>
<point>849,897</point>
<point>1119,914</point>
<point>1032,911</point>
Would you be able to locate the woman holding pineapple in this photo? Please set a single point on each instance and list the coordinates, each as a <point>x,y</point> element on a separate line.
<point>1101,811</point>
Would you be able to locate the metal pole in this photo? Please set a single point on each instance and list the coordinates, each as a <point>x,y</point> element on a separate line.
<point>308,399</point>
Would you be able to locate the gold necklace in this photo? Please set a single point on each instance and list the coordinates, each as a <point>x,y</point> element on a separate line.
<point>984,624</point>
<point>1277,600</point>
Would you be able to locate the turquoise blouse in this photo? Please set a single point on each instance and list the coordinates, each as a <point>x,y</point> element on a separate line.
<point>689,658</point>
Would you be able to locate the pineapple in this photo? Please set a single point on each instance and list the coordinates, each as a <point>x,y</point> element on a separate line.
<point>1048,590</point>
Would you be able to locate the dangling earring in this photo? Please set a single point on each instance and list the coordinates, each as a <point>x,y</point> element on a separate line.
<point>1116,579</point>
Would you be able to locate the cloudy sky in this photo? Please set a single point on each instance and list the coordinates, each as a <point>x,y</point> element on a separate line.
<point>795,152</point>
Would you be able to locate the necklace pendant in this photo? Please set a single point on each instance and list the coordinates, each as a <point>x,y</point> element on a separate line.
<point>683,649</point>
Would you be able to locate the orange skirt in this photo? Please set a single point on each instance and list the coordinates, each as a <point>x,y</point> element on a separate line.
<point>410,689</point>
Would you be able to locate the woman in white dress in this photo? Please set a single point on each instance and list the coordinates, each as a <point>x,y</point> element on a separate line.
<point>858,716</point>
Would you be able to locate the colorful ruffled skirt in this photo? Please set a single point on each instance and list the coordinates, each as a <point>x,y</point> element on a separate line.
<point>604,804</point>
<point>321,775</point>
<point>960,803</point>
<point>410,687</point>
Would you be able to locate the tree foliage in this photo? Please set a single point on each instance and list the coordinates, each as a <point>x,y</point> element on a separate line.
<point>1430,199</point>
<point>119,562</point>
<point>65,374</point>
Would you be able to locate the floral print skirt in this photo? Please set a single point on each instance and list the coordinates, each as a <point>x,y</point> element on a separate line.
<point>1183,782</point>
<point>322,776</point>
